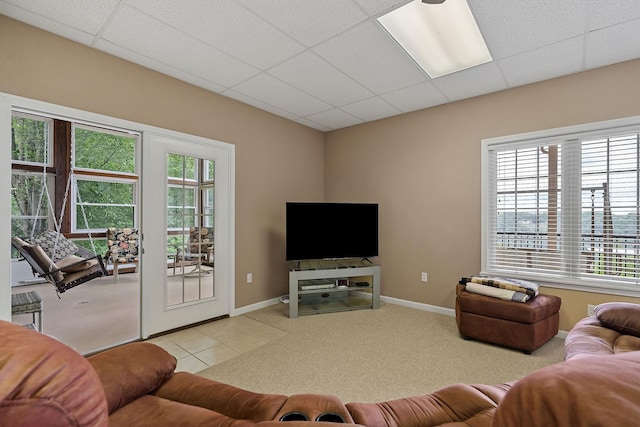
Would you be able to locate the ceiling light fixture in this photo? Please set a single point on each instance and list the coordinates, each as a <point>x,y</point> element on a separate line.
<point>442,37</point>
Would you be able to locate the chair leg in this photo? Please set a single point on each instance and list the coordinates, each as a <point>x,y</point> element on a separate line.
<point>116,279</point>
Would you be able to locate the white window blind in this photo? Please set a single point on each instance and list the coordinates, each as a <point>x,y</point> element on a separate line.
<point>564,209</point>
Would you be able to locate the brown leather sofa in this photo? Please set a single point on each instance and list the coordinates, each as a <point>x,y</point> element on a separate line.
<point>613,328</point>
<point>597,385</point>
<point>45,383</point>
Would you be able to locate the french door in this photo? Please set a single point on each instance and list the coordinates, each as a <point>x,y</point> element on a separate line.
<point>187,214</point>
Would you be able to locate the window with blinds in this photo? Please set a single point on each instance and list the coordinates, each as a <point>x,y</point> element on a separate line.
<point>564,208</point>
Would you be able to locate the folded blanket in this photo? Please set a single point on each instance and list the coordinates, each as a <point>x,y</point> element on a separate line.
<point>491,291</point>
<point>529,288</point>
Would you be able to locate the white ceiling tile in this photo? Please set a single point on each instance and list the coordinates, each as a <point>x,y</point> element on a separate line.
<point>422,95</point>
<point>371,109</point>
<point>369,55</point>
<point>604,13</point>
<point>148,37</point>
<point>227,26</point>
<point>512,27</point>
<point>306,59</point>
<point>485,78</point>
<point>313,75</point>
<point>613,44</point>
<point>230,93</point>
<point>313,124</point>
<point>88,16</point>
<point>45,23</point>
<point>160,67</point>
<point>281,95</point>
<point>334,119</point>
<point>378,7</point>
<point>309,21</point>
<point>541,64</point>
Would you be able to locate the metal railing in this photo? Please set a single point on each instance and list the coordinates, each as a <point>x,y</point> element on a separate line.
<point>610,255</point>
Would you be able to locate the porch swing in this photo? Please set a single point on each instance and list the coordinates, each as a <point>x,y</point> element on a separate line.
<point>52,256</point>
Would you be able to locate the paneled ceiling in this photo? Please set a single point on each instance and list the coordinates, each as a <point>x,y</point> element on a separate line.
<point>328,64</point>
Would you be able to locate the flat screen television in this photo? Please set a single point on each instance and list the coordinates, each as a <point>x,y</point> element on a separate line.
<point>317,231</point>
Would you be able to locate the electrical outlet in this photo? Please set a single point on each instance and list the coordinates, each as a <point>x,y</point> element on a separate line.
<point>249,277</point>
<point>424,277</point>
<point>590,308</point>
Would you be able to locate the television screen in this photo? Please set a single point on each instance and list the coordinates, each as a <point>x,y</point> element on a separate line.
<point>331,230</point>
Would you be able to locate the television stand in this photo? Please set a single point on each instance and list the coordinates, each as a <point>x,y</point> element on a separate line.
<point>327,286</point>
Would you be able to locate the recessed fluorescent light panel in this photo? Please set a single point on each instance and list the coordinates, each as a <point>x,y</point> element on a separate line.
<point>441,38</point>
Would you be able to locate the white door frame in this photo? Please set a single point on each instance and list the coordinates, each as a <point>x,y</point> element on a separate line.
<point>8,102</point>
<point>156,146</point>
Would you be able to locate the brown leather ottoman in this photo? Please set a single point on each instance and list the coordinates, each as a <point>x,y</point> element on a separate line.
<point>523,326</point>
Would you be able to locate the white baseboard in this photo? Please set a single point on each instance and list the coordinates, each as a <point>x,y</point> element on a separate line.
<point>411,304</point>
<point>389,300</point>
<point>253,307</point>
<point>419,306</point>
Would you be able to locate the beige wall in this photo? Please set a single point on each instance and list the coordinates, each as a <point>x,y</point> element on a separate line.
<point>424,170</point>
<point>38,65</point>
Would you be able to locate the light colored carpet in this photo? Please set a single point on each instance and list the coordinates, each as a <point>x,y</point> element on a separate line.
<point>373,355</point>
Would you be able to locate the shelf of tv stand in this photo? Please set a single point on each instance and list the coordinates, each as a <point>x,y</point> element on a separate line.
<point>315,301</point>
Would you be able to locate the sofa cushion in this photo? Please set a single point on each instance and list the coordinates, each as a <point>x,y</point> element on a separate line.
<point>623,317</point>
<point>226,399</point>
<point>589,337</point>
<point>153,411</point>
<point>131,371</point>
<point>458,404</point>
<point>42,381</point>
<point>592,391</point>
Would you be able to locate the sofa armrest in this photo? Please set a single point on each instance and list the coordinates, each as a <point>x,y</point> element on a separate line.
<point>42,381</point>
<point>223,398</point>
<point>471,405</point>
<point>132,370</point>
<point>591,391</point>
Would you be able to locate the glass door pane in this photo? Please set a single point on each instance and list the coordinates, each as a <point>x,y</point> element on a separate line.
<point>190,230</point>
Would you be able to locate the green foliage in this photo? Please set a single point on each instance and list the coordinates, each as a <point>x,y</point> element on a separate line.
<point>104,151</point>
<point>182,167</point>
<point>104,200</point>
<point>29,143</point>
<point>99,244</point>
<point>29,139</point>
<point>106,203</point>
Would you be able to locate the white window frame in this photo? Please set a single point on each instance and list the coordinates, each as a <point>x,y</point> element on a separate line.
<point>77,222</point>
<point>49,143</point>
<point>47,163</point>
<point>86,174</point>
<point>549,137</point>
<point>194,208</point>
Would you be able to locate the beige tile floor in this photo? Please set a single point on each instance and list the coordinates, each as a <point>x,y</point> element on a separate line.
<point>206,345</point>
<point>103,313</point>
